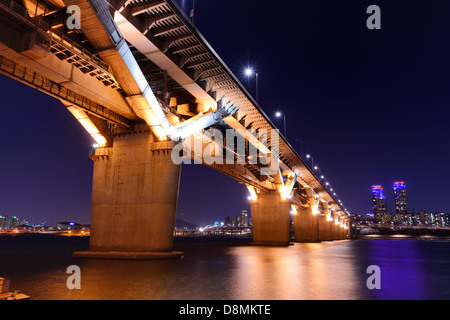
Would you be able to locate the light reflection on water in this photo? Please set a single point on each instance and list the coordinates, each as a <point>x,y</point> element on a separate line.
<point>210,270</point>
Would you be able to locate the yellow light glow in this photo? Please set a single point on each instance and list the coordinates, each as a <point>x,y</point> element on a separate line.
<point>285,193</point>
<point>294,210</point>
<point>88,125</point>
<point>253,194</point>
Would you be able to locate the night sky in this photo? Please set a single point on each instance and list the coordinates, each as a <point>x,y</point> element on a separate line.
<point>370,106</point>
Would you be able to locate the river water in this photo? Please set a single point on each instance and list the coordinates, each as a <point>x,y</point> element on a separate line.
<point>231,269</point>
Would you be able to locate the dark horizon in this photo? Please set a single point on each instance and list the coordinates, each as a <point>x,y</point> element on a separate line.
<point>370,106</point>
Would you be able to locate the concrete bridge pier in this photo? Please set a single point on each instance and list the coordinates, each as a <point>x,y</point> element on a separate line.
<point>345,230</point>
<point>270,218</point>
<point>306,225</point>
<point>349,229</point>
<point>325,228</point>
<point>335,230</point>
<point>134,199</point>
<point>342,233</point>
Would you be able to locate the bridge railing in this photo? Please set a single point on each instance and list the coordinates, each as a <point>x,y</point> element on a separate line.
<point>57,41</point>
<point>27,14</point>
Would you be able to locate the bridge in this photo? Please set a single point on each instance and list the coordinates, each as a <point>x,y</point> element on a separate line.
<point>154,95</point>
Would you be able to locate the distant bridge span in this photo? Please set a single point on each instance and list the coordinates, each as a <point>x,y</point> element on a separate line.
<point>141,79</point>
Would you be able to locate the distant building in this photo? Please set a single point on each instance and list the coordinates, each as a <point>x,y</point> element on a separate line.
<point>401,201</point>
<point>447,219</point>
<point>425,219</point>
<point>437,219</point>
<point>379,204</point>
<point>243,219</point>
<point>69,225</point>
<point>366,220</point>
<point>7,222</point>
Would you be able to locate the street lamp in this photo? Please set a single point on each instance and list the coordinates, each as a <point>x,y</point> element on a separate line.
<point>279,115</point>
<point>193,11</point>
<point>249,73</point>
<point>312,159</point>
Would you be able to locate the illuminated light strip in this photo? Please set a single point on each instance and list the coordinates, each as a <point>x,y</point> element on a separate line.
<point>150,109</point>
<point>316,200</point>
<point>87,123</point>
<point>283,188</point>
<point>294,209</point>
<point>329,217</point>
<point>336,221</point>
<point>287,188</point>
<point>253,193</point>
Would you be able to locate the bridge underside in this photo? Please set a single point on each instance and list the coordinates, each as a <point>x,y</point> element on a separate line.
<point>140,78</point>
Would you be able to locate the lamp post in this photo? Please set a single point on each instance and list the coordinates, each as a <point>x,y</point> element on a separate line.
<point>312,159</point>
<point>279,115</point>
<point>249,72</point>
<point>193,11</point>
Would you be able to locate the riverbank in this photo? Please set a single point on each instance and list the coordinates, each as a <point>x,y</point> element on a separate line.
<point>403,237</point>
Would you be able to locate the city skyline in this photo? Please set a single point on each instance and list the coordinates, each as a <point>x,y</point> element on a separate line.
<point>397,200</point>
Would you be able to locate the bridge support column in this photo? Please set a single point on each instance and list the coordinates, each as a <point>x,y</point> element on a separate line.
<point>325,227</point>
<point>306,225</point>
<point>342,231</point>
<point>134,199</point>
<point>271,219</point>
<point>345,230</point>
<point>349,229</point>
<point>335,230</point>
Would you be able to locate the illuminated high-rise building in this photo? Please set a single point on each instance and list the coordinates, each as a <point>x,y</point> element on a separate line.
<point>379,204</point>
<point>401,202</point>
<point>243,220</point>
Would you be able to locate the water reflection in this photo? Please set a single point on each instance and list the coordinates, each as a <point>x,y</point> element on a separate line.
<point>404,274</point>
<point>235,271</point>
<point>302,271</point>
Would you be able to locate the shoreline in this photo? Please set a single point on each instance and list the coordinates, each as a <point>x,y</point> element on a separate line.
<point>403,237</point>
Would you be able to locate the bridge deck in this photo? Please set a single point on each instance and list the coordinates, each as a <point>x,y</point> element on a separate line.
<point>172,55</point>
